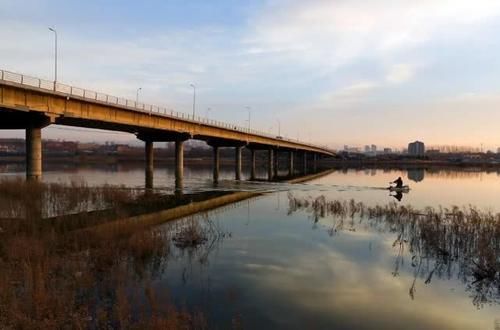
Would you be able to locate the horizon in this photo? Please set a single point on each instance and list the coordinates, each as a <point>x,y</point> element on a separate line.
<point>198,143</point>
<point>336,73</point>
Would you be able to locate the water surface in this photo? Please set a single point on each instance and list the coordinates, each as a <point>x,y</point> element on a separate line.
<point>275,266</point>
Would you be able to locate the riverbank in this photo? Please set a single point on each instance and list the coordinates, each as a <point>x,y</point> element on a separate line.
<point>409,162</point>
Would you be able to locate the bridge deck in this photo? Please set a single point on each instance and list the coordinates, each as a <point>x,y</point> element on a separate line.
<point>24,100</point>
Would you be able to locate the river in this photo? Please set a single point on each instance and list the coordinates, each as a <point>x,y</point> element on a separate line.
<point>272,261</point>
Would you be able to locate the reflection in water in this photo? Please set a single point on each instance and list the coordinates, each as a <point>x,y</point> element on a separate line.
<point>77,262</point>
<point>416,175</point>
<point>108,258</point>
<point>398,195</point>
<point>455,242</point>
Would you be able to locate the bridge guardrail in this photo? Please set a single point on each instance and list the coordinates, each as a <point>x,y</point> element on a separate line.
<point>53,86</point>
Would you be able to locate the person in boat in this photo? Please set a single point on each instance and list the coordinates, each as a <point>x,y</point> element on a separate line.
<point>398,182</point>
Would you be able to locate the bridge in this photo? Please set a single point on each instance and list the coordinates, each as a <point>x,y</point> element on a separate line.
<point>32,104</point>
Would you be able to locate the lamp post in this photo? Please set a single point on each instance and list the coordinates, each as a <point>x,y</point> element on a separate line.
<point>55,55</point>
<point>279,126</point>
<point>194,99</point>
<point>137,96</point>
<point>249,109</point>
<point>208,111</point>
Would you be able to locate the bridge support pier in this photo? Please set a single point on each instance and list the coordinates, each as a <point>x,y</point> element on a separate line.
<point>276,163</point>
<point>315,162</point>
<point>215,163</point>
<point>149,164</point>
<point>305,162</point>
<point>270,163</point>
<point>290,164</point>
<point>34,153</point>
<point>179,165</point>
<point>237,168</point>
<point>252,164</point>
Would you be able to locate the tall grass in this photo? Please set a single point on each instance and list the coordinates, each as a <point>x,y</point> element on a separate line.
<point>445,242</point>
<point>56,274</point>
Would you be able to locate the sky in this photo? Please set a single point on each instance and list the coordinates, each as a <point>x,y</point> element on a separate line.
<point>332,72</point>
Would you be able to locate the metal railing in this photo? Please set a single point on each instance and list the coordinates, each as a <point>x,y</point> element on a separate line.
<point>68,90</point>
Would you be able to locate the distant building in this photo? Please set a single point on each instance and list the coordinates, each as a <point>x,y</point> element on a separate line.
<point>433,152</point>
<point>387,151</point>
<point>367,148</point>
<point>373,148</point>
<point>12,145</point>
<point>416,148</point>
<point>353,149</point>
<point>59,147</point>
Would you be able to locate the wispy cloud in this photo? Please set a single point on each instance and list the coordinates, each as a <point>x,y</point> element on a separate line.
<point>351,94</point>
<point>346,62</point>
<point>331,33</point>
<point>400,73</point>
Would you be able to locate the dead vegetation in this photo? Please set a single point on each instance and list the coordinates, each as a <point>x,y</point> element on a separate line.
<point>190,236</point>
<point>461,242</point>
<point>57,274</point>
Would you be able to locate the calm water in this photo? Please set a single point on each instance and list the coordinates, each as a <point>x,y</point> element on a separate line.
<point>277,268</point>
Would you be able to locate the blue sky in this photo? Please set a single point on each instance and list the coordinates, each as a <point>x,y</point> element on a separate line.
<point>335,72</point>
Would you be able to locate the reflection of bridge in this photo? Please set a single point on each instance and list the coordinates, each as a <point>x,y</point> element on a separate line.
<point>138,216</point>
<point>32,104</point>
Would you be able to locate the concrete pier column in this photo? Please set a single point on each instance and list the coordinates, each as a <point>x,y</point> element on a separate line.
<point>305,162</point>
<point>276,163</point>
<point>149,164</point>
<point>315,162</point>
<point>34,153</point>
<point>290,164</point>
<point>215,163</point>
<point>237,168</point>
<point>270,163</point>
<point>149,178</point>
<point>179,164</point>
<point>252,164</point>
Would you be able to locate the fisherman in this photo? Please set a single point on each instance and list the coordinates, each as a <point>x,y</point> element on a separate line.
<point>398,182</point>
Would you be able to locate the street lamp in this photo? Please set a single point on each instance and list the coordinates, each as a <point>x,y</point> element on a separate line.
<point>279,126</point>
<point>55,55</point>
<point>137,96</point>
<point>194,99</point>
<point>249,109</point>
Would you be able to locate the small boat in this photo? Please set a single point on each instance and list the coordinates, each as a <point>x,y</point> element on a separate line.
<point>402,189</point>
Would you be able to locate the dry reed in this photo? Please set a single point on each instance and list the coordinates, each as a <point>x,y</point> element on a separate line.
<point>55,275</point>
<point>461,241</point>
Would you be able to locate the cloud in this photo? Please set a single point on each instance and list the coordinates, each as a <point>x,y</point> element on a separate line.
<point>288,58</point>
<point>354,93</point>
<point>332,33</point>
<point>400,73</point>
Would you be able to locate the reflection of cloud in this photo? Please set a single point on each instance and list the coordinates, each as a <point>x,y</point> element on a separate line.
<point>331,288</point>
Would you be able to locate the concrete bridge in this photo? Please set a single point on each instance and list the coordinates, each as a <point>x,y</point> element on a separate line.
<point>31,103</point>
